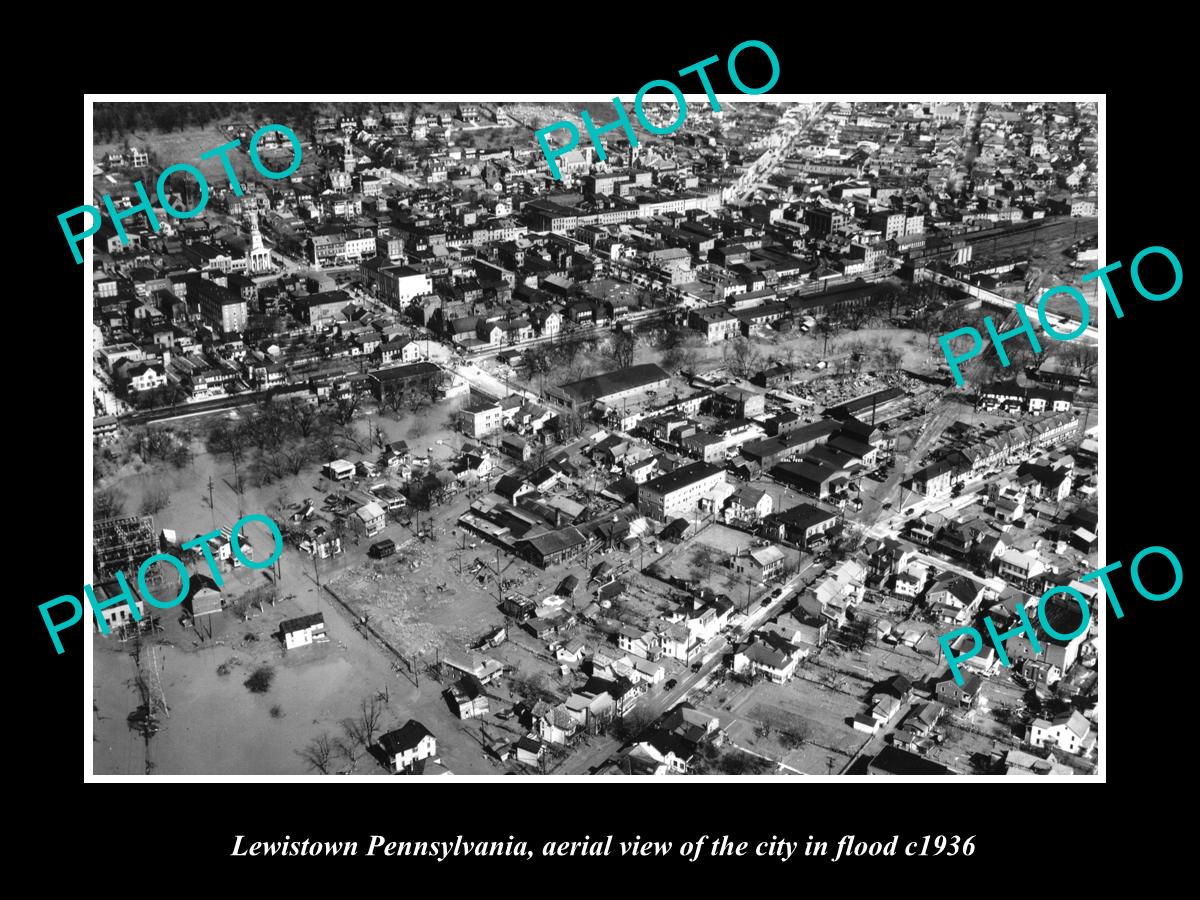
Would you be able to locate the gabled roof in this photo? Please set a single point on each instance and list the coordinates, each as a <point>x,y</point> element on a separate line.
<point>971,683</point>
<point>406,738</point>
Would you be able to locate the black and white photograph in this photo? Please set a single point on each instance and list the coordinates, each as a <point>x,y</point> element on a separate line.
<point>679,437</point>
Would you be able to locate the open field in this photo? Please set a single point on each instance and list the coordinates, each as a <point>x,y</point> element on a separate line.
<point>705,555</point>
<point>186,146</point>
<point>819,714</point>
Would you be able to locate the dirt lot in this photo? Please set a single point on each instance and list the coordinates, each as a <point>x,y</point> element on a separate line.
<point>818,712</point>
<point>817,703</point>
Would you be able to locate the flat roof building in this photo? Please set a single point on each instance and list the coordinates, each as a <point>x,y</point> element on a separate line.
<point>677,493</point>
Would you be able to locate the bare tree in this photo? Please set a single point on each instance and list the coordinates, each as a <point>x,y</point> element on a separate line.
<point>155,499</point>
<point>624,345</point>
<point>827,328</point>
<point>319,753</point>
<point>1079,355</point>
<point>228,439</point>
<point>633,723</point>
<point>264,469</point>
<point>295,456</point>
<point>108,504</point>
<point>741,357</point>
<point>704,558</point>
<point>345,408</point>
<point>156,443</point>
<point>689,360</point>
<point>370,712</point>
<point>393,397</point>
<point>303,416</point>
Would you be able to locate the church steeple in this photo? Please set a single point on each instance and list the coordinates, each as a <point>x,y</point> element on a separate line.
<point>258,257</point>
<point>256,241</point>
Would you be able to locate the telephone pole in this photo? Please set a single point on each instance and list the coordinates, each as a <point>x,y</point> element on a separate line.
<point>211,508</point>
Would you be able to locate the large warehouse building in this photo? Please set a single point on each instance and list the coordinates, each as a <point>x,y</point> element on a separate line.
<point>614,386</point>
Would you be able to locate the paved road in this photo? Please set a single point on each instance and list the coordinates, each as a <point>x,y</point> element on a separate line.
<point>485,382</point>
<point>762,167</point>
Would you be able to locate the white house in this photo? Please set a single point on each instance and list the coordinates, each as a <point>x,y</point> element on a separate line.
<point>145,377</point>
<point>303,631</point>
<point>405,746</point>
<point>339,469</point>
<point>1070,732</point>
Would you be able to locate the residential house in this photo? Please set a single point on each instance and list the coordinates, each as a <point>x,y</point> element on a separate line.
<point>405,746</point>
<point>805,525</point>
<point>556,725</point>
<point>369,519</point>
<point>953,598</point>
<point>466,697</point>
<point>1070,732</point>
<point>1057,654</point>
<point>642,643</point>
<point>761,564</point>
<point>303,631</point>
<point>915,734</point>
<point>529,751</point>
<point>957,696</point>
<point>768,654</point>
<point>1022,568</point>
<point>748,506</point>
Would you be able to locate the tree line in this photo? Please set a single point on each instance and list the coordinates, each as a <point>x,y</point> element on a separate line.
<point>112,120</point>
<point>277,438</point>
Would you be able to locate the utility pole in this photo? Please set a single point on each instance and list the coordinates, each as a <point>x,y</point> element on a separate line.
<point>211,508</point>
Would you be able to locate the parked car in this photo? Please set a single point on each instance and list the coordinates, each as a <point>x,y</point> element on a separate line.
<point>670,684</point>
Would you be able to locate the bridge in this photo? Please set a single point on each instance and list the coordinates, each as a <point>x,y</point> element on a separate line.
<point>1060,323</point>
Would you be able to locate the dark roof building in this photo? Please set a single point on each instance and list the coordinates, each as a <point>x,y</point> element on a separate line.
<point>894,761</point>
<point>405,738</point>
<point>615,385</point>
<point>552,547</point>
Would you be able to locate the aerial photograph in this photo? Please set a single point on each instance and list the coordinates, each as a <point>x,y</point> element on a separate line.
<point>486,454</point>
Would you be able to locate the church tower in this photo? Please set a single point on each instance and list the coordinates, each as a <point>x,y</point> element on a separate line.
<point>258,259</point>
